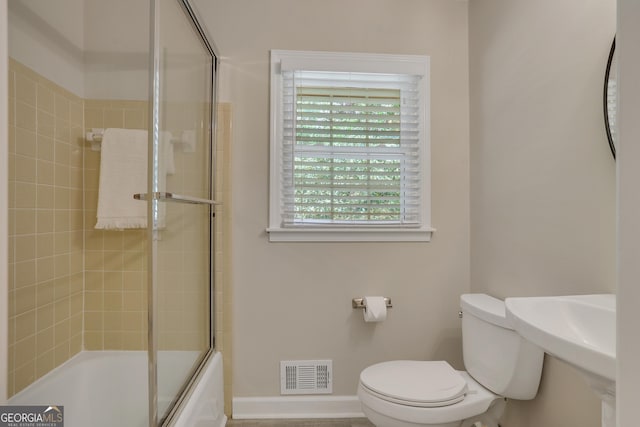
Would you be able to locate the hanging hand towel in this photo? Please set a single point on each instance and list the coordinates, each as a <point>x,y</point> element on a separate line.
<point>123,172</point>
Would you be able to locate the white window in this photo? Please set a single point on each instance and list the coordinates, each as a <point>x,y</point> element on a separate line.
<point>349,147</point>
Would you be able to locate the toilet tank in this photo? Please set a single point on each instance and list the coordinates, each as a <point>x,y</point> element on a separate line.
<point>494,354</point>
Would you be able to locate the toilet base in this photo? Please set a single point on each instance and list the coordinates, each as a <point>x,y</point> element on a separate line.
<point>487,419</point>
<point>380,420</point>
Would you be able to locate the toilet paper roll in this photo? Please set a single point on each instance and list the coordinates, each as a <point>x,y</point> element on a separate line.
<point>375,309</point>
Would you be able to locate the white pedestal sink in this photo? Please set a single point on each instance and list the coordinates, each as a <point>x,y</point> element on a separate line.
<point>579,329</point>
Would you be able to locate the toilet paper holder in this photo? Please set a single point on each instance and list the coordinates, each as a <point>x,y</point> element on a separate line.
<point>359,303</point>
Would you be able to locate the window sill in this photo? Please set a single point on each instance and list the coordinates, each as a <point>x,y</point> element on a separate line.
<point>350,234</point>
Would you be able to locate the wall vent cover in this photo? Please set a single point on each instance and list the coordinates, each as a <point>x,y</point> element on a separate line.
<point>306,376</point>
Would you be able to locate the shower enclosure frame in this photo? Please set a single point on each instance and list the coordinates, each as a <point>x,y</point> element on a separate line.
<point>155,70</point>
<point>4,126</point>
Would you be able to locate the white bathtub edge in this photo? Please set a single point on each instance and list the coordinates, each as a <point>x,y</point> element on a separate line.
<point>205,404</point>
<point>297,407</point>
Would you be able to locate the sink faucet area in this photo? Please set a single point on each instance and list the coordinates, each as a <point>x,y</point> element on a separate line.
<point>579,329</point>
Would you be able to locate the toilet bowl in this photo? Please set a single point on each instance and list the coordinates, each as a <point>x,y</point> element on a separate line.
<point>499,363</point>
<point>407,393</point>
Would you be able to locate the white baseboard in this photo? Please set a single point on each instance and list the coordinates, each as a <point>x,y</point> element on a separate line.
<point>297,407</point>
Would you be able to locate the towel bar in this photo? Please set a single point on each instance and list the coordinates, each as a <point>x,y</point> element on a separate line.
<point>94,136</point>
<point>177,198</point>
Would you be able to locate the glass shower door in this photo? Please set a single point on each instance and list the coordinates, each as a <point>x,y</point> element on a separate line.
<point>180,182</point>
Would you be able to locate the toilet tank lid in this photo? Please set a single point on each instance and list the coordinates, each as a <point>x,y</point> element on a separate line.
<point>485,307</point>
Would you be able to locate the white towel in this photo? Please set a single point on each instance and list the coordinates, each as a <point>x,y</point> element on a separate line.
<point>123,172</point>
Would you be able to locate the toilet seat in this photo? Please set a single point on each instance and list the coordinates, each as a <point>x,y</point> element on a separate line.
<point>422,384</point>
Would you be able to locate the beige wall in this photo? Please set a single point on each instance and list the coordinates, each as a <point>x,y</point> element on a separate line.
<point>45,226</point>
<point>542,175</point>
<point>628,344</point>
<point>65,41</point>
<point>48,37</point>
<point>293,301</point>
<point>116,63</point>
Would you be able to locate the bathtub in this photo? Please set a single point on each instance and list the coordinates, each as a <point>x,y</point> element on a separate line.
<point>109,388</point>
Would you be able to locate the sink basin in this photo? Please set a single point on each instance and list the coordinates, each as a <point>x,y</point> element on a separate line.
<point>579,329</point>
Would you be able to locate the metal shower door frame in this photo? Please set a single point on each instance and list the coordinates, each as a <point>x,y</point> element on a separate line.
<point>157,196</point>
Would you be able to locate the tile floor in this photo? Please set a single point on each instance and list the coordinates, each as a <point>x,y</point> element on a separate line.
<point>343,422</point>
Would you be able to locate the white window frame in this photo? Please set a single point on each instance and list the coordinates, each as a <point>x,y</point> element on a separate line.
<point>355,63</point>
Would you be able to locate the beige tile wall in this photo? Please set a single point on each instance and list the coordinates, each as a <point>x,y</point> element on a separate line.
<point>116,261</point>
<point>183,245</point>
<point>115,315</point>
<point>183,279</point>
<point>115,301</point>
<point>223,247</point>
<point>45,232</point>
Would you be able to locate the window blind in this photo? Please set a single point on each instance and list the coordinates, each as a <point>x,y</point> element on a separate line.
<point>351,149</point>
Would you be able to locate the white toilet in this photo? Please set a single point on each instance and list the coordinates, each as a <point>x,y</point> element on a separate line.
<point>500,364</point>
